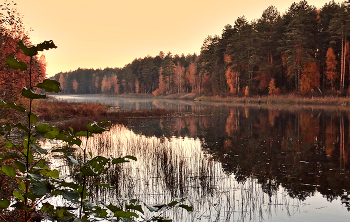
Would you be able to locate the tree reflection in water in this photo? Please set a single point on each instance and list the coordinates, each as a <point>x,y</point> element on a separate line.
<point>240,184</point>
<point>245,164</point>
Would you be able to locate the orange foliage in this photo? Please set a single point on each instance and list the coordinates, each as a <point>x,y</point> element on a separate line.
<point>331,68</point>
<point>231,77</point>
<point>231,122</point>
<point>63,82</point>
<point>307,126</point>
<point>162,87</point>
<point>113,81</point>
<point>75,85</point>
<point>264,81</point>
<point>137,86</point>
<point>192,69</point>
<point>273,90</point>
<point>273,114</point>
<point>310,77</point>
<point>12,81</point>
<point>105,85</point>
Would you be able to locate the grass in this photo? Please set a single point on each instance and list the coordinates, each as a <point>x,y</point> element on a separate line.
<point>281,99</point>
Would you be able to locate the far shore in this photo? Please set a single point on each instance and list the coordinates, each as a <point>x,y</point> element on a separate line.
<point>276,101</point>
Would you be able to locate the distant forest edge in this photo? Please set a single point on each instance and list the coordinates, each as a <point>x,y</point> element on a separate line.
<point>304,51</point>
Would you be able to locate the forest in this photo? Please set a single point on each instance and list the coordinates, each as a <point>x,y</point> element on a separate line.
<point>302,51</point>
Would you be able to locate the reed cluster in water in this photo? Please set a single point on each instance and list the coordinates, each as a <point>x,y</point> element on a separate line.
<point>176,168</point>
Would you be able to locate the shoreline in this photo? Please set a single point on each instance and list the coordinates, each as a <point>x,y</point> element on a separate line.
<point>267,100</point>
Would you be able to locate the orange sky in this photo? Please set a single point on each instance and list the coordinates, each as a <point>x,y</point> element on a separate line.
<point>97,34</point>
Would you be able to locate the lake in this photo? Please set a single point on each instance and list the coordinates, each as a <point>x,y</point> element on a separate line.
<point>231,163</point>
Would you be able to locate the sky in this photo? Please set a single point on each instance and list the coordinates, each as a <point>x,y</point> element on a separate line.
<point>112,33</point>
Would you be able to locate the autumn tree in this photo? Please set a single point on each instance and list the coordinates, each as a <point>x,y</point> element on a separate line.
<point>192,77</point>
<point>331,68</point>
<point>75,85</point>
<point>113,81</point>
<point>310,77</point>
<point>162,86</point>
<point>273,90</point>
<point>11,33</point>
<point>299,39</point>
<point>105,85</point>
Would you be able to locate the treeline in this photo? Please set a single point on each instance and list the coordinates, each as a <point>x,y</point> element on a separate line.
<point>305,50</point>
<point>140,76</point>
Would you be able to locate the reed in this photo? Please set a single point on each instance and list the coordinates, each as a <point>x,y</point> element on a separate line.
<point>167,169</point>
<point>77,114</point>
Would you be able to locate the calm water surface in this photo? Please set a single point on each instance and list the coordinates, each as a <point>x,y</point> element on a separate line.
<point>231,163</point>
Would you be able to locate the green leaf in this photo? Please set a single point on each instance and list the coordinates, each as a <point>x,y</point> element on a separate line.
<point>53,173</point>
<point>13,106</point>
<point>39,149</point>
<point>31,95</point>
<point>119,160</point>
<point>83,133</point>
<point>160,219</point>
<point>135,207</point>
<point>43,128</point>
<point>20,126</point>
<point>49,86</point>
<point>127,215</point>
<point>101,213</point>
<point>9,145</point>
<point>32,51</point>
<point>70,195</point>
<point>103,184</point>
<point>153,209</point>
<point>33,118</point>
<point>31,196</point>
<point>186,207</point>
<point>94,128</point>
<point>173,203</point>
<point>42,188</point>
<point>4,203</point>
<point>46,45</point>
<point>20,166</point>
<point>131,157</point>
<point>28,154</point>
<point>74,161</point>
<point>9,170</point>
<point>35,176</point>
<point>18,195</point>
<point>19,206</point>
<point>47,208</point>
<point>113,208</point>
<point>99,164</point>
<point>105,124</point>
<point>22,186</point>
<point>70,185</point>
<point>87,171</point>
<point>13,63</point>
<point>10,155</point>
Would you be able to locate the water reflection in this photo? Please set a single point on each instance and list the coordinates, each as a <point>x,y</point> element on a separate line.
<point>174,168</point>
<point>244,163</point>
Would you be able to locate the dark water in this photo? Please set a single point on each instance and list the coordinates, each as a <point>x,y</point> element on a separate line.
<point>234,163</point>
